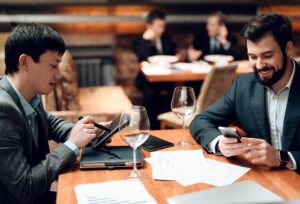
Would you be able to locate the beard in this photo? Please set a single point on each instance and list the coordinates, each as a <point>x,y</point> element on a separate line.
<point>277,75</point>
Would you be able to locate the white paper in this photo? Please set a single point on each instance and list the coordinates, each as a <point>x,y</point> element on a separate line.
<point>197,67</point>
<point>190,167</point>
<point>122,191</point>
<point>177,165</point>
<point>217,173</point>
<point>156,71</point>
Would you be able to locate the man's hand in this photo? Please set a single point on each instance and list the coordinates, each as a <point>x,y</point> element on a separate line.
<point>193,54</point>
<point>99,131</point>
<point>261,152</point>
<point>230,147</point>
<point>83,132</point>
<point>223,33</point>
<point>149,35</point>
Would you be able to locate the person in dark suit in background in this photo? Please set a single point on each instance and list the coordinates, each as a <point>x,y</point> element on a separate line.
<point>265,103</point>
<point>155,41</point>
<point>216,39</point>
<point>32,55</point>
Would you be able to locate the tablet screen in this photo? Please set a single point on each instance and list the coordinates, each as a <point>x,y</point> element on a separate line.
<point>114,127</point>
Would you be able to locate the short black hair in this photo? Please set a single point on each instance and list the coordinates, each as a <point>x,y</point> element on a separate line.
<point>153,15</point>
<point>31,39</point>
<point>275,24</point>
<point>220,15</point>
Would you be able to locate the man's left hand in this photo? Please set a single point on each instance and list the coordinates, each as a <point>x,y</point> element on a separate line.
<point>261,152</point>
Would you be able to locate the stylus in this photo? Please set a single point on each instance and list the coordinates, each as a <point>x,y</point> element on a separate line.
<point>98,125</point>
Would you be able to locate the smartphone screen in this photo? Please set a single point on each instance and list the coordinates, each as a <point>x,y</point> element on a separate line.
<point>154,143</point>
<point>230,132</point>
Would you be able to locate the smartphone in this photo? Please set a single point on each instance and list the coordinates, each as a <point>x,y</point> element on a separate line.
<point>114,127</point>
<point>230,132</point>
<point>154,143</point>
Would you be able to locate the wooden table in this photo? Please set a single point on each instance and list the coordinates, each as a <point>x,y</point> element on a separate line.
<point>285,182</point>
<point>183,76</point>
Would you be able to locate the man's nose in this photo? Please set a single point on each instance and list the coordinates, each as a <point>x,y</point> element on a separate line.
<point>260,64</point>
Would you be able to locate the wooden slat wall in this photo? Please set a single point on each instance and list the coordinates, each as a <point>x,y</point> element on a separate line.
<point>289,10</point>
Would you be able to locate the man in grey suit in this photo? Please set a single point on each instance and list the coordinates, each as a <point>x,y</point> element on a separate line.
<point>32,56</point>
<point>265,103</point>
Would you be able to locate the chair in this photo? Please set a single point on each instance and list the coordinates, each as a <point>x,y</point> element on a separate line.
<point>213,88</point>
<point>69,101</point>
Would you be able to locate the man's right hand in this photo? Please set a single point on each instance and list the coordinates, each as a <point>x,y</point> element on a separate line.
<point>83,132</point>
<point>149,35</point>
<point>230,147</point>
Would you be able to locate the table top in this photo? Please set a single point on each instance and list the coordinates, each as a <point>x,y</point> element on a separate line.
<point>183,76</point>
<point>284,183</point>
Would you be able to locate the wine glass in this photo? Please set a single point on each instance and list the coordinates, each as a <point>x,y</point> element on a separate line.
<point>136,132</point>
<point>183,104</point>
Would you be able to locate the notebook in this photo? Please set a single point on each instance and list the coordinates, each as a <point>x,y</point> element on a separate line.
<point>110,157</point>
<point>241,192</point>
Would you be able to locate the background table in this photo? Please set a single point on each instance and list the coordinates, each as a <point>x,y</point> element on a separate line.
<point>184,76</point>
<point>285,182</point>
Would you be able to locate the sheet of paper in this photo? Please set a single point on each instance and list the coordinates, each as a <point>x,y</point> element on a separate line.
<point>217,173</point>
<point>197,67</point>
<point>177,165</point>
<point>156,71</point>
<point>113,192</point>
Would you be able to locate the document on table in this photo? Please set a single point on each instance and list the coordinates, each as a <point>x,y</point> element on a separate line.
<point>217,173</point>
<point>190,167</point>
<point>176,165</point>
<point>113,192</point>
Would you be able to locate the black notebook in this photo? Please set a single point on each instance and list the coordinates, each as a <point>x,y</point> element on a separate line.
<point>110,157</point>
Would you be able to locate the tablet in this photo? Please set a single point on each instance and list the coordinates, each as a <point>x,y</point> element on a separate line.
<point>114,128</point>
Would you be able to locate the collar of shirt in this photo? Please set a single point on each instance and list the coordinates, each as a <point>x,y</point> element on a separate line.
<point>289,83</point>
<point>27,106</point>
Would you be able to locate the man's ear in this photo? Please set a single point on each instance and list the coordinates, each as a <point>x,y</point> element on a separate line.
<point>23,62</point>
<point>289,47</point>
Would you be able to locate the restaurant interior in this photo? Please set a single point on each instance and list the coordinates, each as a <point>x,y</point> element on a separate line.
<point>100,67</point>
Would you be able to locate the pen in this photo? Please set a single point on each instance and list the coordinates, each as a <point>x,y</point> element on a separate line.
<point>109,152</point>
<point>98,125</point>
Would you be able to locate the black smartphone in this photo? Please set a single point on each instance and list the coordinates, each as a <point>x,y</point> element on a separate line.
<point>114,127</point>
<point>154,143</point>
<point>230,132</point>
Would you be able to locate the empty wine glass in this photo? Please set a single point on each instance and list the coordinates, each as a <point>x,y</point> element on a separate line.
<point>136,132</point>
<point>183,104</point>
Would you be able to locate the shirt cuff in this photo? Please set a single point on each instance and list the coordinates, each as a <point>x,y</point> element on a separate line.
<point>293,161</point>
<point>211,147</point>
<point>227,46</point>
<point>73,147</point>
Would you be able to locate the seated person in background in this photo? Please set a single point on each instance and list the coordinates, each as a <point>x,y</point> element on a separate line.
<point>265,103</point>
<point>155,41</point>
<point>216,39</point>
<point>32,55</point>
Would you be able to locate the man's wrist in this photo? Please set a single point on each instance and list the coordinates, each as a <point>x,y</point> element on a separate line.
<point>73,147</point>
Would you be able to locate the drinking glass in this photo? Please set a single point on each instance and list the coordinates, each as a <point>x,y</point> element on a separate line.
<point>135,133</point>
<point>183,104</point>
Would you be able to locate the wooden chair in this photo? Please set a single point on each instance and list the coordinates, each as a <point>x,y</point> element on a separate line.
<point>213,88</point>
<point>69,101</point>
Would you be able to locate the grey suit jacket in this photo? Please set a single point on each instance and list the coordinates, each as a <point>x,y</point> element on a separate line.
<point>27,167</point>
<point>245,103</point>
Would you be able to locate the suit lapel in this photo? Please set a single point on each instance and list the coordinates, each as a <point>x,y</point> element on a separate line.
<point>258,106</point>
<point>4,83</point>
<point>292,113</point>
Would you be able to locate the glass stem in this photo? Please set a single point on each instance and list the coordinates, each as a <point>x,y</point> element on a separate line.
<point>183,129</point>
<point>134,159</point>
